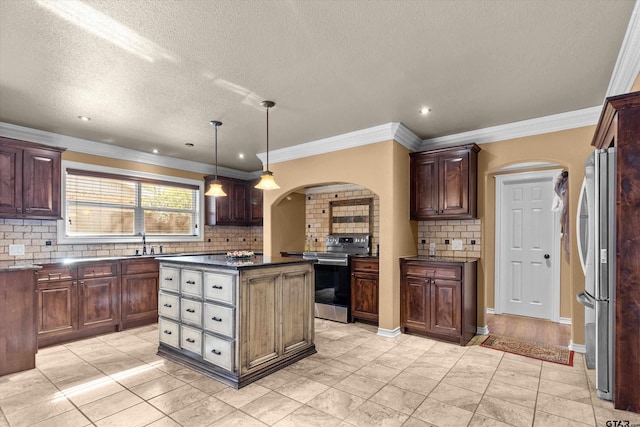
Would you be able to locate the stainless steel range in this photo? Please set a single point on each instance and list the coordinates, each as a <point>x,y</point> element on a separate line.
<point>332,273</point>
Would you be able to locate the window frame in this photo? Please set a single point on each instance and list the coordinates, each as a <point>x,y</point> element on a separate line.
<point>137,175</point>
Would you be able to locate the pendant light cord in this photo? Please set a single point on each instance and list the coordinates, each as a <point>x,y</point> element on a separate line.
<point>216,177</point>
<point>267,139</point>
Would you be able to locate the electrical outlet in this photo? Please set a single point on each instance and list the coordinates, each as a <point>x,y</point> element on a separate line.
<point>456,245</point>
<point>16,250</point>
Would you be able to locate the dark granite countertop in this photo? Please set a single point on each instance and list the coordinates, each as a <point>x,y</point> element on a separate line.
<point>222,261</point>
<point>439,259</point>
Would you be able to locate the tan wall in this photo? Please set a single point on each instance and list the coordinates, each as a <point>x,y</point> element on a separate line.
<point>291,211</point>
<point>383,168</point>
<point>569,149</point>
<point>636,85</point>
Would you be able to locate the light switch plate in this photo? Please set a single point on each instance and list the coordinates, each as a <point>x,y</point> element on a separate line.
<point>456,245</point>
<point>16,250</point>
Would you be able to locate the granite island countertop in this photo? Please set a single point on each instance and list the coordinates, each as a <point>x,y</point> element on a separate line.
<point>223,261</point>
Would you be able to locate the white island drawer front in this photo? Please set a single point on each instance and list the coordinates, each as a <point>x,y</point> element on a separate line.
<point>169,332</point>
<point>219,319</point>
<point>219,287</point>
<point>169,305</point>
<point>219,352</point>
<point>191,311</point>
<point>169,278</point>
<point>191,339</point>
<point>191,283</point>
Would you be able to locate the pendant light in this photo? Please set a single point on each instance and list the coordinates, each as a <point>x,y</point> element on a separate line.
<point>266,179</point>
<point>215,189</point>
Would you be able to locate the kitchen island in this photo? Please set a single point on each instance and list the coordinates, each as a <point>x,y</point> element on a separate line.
<point>236,319</point>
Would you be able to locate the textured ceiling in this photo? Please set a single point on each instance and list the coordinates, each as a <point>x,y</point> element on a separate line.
<point>152,74</point>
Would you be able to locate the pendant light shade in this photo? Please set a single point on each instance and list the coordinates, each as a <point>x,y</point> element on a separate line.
<point>267,182</point>
<point>215,189</point>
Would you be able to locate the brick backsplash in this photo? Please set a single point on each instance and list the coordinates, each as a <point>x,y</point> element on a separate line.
<point>438,231</point>
<point>317,216</point>
<point>35,233</point>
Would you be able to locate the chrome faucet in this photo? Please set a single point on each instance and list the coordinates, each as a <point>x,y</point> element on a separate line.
<point>144,244</point>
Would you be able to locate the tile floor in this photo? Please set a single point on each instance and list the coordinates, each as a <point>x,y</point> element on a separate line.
<point>356,379</point>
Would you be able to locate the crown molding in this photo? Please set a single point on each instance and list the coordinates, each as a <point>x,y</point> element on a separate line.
<point>627,65</point>
<point>389,131</point>
<point>85,146</point>
<point>540,125</point>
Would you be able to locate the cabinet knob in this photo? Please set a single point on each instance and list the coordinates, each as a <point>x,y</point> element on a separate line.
<point>547,256</point>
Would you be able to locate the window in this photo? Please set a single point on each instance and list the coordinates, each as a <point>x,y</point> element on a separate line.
<point>109,205</point>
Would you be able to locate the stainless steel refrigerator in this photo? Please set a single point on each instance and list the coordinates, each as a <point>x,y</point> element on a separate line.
<point>596,242</point>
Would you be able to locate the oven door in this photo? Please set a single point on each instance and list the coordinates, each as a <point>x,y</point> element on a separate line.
<point>333,291</point>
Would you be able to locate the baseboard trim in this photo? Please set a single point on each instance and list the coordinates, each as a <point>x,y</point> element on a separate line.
<point>389,333</point>
<point>482,330</point>
<point>490,310</point>
<point>565,320</point>
<point>578,348</point>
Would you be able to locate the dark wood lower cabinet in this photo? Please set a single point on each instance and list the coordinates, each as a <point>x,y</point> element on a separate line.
<point>139,281</point>
<point>18,329</point>
<point>364,289</point>
<point>438,299</point>
<point>100,302</point>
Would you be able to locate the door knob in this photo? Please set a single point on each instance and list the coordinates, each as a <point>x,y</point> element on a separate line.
<point>547,256</point>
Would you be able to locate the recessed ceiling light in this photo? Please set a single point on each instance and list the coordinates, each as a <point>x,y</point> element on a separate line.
<point>155,151</point>
<point>241,155</point>
<point>84,118</point>
<point>188,144</point>
<point>425,110</point>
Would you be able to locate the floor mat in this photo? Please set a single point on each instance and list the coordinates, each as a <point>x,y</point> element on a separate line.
<point>546,352</point>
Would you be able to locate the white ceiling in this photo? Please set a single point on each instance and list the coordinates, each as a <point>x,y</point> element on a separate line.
<point>152,74</point>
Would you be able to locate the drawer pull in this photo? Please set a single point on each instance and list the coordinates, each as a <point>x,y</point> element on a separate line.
<point>216,287</point>
<point>216,352</point>
<point>167,305</point>
<point>54,275</point>
<point>168,278</point>
<point>167,332</point>
<point>217,319</point>
<point>190,282</point>
<point>190,310</point>
<point>191,340</point>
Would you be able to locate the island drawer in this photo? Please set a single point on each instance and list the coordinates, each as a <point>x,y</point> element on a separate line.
<point>219,319</point>
<point>191,311</point>
<point>191,283</point>
<point>219,287</point>
<point>169,306</point>
<point>169,278</point>
<point>191,339</point>
<point>169,332</point>
<point>219,351</point>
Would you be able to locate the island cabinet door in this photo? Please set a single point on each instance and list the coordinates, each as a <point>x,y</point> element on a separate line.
<point>260,308</point>
<point>296,310</point>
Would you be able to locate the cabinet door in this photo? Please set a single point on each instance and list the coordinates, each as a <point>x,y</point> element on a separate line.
<point>255,207</point>
<point>224,212</point>
<point>296,312</point>
<point>99,302</point>
<point>445,305</point>
<point>424,187</point>
<point>364,296</point>
<point>239,205</point>
<point>57,308</point>
<point>139,298</point>
<point>10,180</point>
<point>415,303</point>
<point>260,332</point>
<point>454,183</point>
<point>41,183</point>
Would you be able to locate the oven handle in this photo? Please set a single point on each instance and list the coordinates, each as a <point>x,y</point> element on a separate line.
<point>330,261</point>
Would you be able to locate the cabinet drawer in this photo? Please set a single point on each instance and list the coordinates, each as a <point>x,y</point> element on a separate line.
<point>96,269</point>
<point>169,278</point>
<point>191,311</point>
<point>364,265</point>
<point>191,283</point>
<point>48,274</point>
<point>135,266</point>
<point>169,332</point>
<point>169,306</point>
<point>219,287</point>
<point>191,339</point>
<point>219,351</point>
<point>219,319</point>
<point>434,271</point>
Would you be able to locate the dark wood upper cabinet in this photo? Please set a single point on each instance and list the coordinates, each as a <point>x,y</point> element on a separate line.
<point>619,126</point>
<point>444,183</point>
<point>241,206</point>
<point>30,179</point>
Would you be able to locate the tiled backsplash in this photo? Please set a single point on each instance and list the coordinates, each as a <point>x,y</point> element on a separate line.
<point>35,233</point>
<point>441,230</point>
<point>317,216</point>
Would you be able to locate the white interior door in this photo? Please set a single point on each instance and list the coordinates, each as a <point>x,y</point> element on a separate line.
<point>527,252</point>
